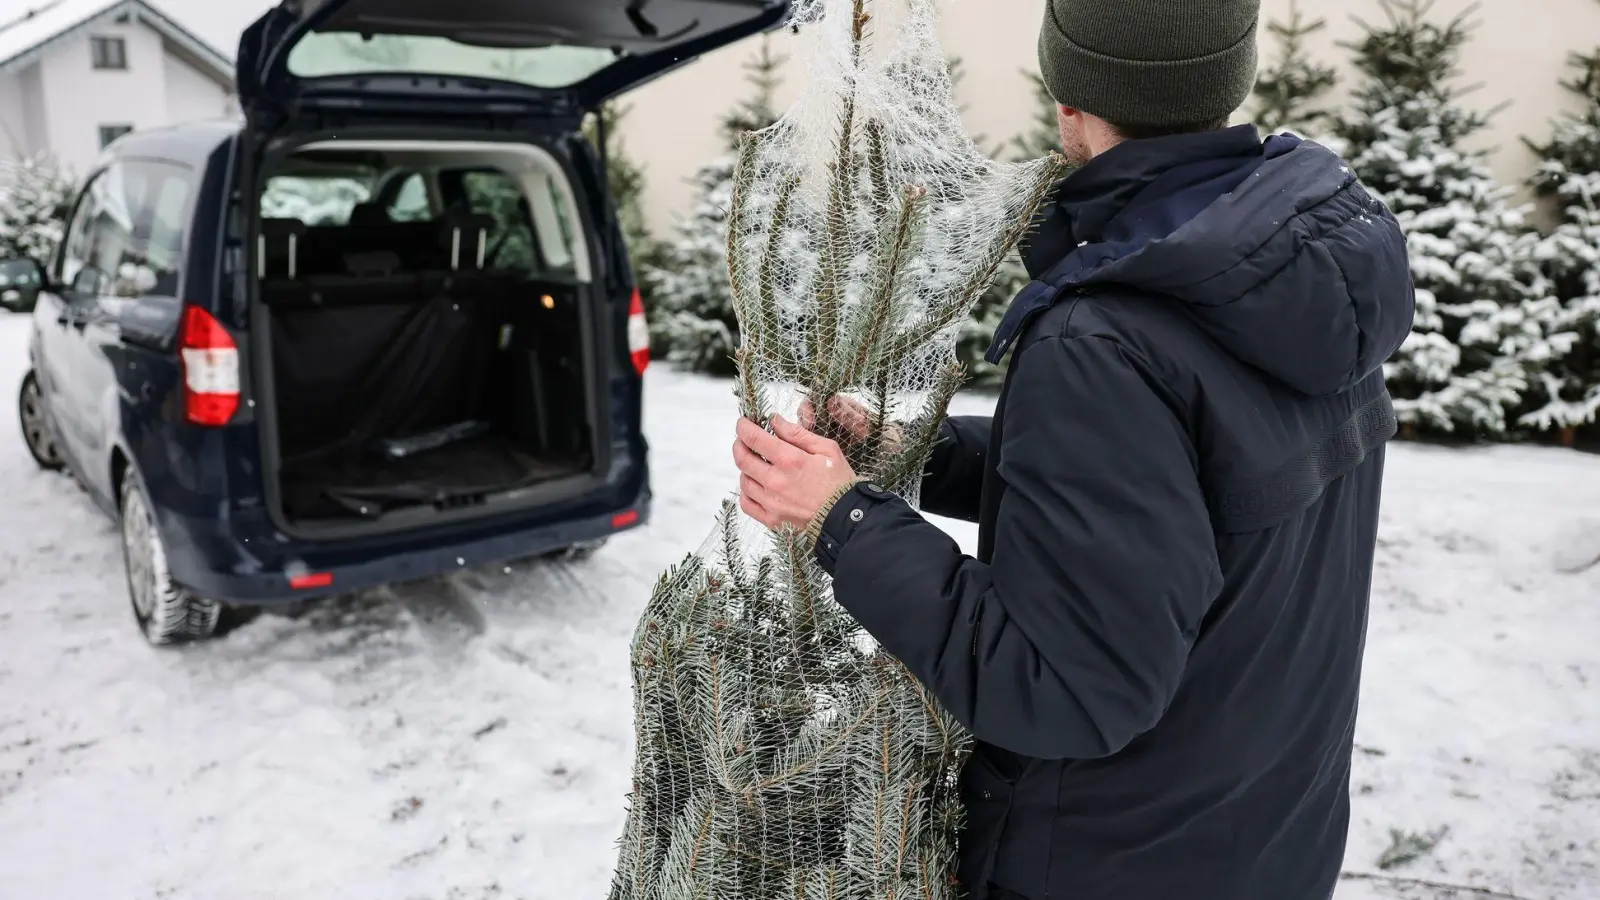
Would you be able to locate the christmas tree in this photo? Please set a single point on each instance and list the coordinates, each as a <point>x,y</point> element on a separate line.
<point>780,752</point>
<point>1484,314</point>
<point>1289,87</point>
<point>1568,394</point>
<point>36,198</point>
<point>692,321</point>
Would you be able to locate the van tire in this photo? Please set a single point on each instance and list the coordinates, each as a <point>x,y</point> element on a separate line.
<point>166,613</point>
<point>37,432</point>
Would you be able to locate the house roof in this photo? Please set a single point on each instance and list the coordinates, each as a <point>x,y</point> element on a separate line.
<point>25,38</point>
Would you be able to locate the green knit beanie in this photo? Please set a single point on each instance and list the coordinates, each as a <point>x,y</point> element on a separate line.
<point>1150,62</point>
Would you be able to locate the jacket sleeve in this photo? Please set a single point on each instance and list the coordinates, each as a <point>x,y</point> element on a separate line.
<point>1072,642</point>
<point>952,483</point>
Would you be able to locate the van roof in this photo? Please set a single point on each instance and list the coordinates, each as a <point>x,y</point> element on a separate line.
<point>190,143</point>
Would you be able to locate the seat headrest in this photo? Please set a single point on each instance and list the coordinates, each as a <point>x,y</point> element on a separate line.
<point>466,236</point>
<point>283,227</point>
<point>368,215</point>
<point>278,248</point>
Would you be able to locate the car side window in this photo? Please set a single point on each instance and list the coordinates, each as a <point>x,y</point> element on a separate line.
<point>494,193</point>
<point>104,253</point>
<point>75,248</point>
<point>171,208</point>
<point>411,203</point>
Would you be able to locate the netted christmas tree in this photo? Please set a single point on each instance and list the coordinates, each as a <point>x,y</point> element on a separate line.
<point>780,752</point>
<point>692,320</point>
<point>1485,316</point>
<point>1290,87</point>
<point>1567,396</point>
<point>36,198</point>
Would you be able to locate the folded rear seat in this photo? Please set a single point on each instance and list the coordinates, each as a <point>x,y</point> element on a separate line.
<point>379,349</point>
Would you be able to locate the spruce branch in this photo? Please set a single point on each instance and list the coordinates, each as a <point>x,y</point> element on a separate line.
<point>906,469</point>
<point>878,169</point>
<point>983,275</point>
<point>764,323</point>
<point>743,177</point>
<point>1401,881</point>
<point>895,249</point>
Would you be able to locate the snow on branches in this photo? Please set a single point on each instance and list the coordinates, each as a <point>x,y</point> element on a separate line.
<point>1567,394</point>
<point>1487,322</point>
<point>35,200</point>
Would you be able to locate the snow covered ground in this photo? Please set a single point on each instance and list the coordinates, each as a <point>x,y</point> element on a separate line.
<point>469,737</point>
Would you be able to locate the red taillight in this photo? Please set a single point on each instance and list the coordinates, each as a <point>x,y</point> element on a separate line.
<point>210,369</point>
<point>638,334</point>
<point>309,582</point>
<point>623,520</point>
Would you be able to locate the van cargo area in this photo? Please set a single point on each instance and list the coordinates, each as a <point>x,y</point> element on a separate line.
<point>424,325</point>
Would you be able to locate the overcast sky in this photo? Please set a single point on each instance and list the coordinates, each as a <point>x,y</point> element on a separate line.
<point>217,22</point>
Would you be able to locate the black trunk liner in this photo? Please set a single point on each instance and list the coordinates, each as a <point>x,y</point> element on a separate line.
<point>369,485</point>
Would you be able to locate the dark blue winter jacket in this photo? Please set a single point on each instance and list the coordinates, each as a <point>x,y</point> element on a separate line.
<point>1159,643</point>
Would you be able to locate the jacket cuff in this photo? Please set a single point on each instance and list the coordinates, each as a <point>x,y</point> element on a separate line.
<point>813,531</point>
<point>847,514</point>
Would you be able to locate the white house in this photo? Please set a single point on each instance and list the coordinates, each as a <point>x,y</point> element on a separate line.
<point>76,74</point>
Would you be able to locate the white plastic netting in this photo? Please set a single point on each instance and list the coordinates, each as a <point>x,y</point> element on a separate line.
<point>780,752</point>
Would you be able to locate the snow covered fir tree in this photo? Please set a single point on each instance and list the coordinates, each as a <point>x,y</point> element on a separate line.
<point>1567,396</point>
<point>1486,319</point>
<point>36,198</point>
<point>1042,137</point>
<point>625,180</point>
<point>779,751</point>
<point>1291,85</point>
<point>692,320</point>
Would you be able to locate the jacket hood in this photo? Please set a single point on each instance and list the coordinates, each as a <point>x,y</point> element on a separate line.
<point>1274,249</point>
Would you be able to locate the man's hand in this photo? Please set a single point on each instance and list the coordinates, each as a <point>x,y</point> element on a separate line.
<point>785,478</point>
<point>854,419</point>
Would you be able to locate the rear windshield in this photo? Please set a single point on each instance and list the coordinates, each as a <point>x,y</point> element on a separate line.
<point>321,55</point>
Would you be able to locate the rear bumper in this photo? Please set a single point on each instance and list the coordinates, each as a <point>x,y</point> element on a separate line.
<point>233,570</point>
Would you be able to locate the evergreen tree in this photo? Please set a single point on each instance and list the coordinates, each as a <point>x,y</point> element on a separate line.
<point>1043,135</point>
<point>35,202</point>
<point>1568,396</point>
<point>1289,86</point>
<point>692,320</point>
<point>624,176</point>
<point>1483,311</point>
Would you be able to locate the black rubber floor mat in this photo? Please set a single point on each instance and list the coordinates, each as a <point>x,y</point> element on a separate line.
<point>370,485</point>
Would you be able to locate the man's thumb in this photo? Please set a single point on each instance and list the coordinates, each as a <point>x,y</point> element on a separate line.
<point>794,434</point>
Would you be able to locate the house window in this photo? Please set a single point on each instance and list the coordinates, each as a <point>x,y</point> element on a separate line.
<point>109,133</point>
<point>109,52</point>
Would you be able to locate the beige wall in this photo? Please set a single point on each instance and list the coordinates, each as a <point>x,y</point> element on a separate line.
<point>1517,55</point>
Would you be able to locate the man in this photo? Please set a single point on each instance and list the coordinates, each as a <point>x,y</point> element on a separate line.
<point>1158,645</point>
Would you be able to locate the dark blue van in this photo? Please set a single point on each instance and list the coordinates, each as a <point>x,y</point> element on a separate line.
<point>383,328</point>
